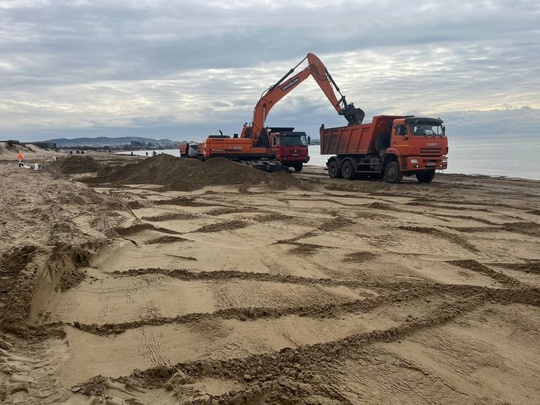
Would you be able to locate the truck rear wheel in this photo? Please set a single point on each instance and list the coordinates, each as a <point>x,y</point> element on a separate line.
<point>347,170</point>
<point>333,169</point>
<point>393,173</point>
<point>425,177</point>
<point>298,167</point>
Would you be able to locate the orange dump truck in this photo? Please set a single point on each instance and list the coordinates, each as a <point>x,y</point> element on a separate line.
<point>390,146</point>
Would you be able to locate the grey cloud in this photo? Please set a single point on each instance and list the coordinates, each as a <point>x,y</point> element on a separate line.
<point>506,121</point>
<point>97,65</point>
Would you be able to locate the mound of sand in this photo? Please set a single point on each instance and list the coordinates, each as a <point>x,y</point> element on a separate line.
<point>9,151</point>
<point>76,164</point>
<point>190,174</point>
<point>6,147</point>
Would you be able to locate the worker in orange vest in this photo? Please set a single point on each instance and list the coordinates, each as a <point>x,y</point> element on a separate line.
<point>20,159</point>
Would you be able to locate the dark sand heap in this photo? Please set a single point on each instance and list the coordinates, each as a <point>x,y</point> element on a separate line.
<point>13,147</point>
<point>76,164</point>
<point>190,174</point>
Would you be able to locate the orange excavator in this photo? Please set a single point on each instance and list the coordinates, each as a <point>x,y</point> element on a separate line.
<point>254,146</point>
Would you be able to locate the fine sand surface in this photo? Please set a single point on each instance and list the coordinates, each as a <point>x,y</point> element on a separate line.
<point>171,281</point>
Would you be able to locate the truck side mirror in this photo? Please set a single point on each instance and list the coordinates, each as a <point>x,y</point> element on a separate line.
<point>309,140</point>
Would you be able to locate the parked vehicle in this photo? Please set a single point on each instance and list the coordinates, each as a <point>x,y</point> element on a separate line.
<point>389,147</point>
<point>290,147</point>
<point>189,150</point>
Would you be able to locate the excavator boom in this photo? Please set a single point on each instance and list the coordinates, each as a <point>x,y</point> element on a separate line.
<point>285,85</point>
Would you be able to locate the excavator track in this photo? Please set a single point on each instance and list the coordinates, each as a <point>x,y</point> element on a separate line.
<point>270,166</point>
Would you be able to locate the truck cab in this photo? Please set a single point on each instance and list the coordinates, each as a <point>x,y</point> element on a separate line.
<point>188,150</point>
<point>419,145</point>
<point>290,147</point>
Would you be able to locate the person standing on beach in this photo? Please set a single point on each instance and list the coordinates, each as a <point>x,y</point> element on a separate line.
<point>20,158</point>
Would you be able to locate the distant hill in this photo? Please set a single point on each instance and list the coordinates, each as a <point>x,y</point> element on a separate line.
<point>106,141</point>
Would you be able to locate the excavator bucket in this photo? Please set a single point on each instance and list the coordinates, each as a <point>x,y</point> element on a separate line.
<point>354,115</point>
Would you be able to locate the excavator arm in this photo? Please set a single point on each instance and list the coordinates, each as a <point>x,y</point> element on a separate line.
<point>285,85</point>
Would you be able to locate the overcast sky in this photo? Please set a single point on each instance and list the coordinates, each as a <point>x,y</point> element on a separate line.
<point>187,69</point>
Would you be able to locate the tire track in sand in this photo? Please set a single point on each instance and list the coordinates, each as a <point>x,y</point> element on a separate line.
<point>228,275</point>
<point>295,373</point>
<point>455,293</point>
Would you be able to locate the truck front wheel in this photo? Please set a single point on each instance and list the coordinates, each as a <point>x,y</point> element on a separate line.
<point>425,177</point>
<point>298,167</point>
<point>393,173</point>
<point>333,170</point>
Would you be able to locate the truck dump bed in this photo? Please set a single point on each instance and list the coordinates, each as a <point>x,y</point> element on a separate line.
<point>356,139</point>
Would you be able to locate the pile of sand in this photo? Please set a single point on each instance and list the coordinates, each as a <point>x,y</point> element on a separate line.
<point>190,174</point>
<point>6,147</point>
<point>76,164</point>
<point>9,151</point>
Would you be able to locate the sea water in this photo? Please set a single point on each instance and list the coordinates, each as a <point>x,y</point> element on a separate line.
<point>503,155</point>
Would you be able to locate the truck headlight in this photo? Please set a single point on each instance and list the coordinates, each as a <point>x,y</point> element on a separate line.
<point>414,160</point>
<point>445,160</point>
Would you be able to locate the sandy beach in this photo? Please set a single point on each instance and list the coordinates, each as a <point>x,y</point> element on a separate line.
<point>163,280</point>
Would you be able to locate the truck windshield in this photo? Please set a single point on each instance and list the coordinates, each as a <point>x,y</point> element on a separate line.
<point>420,128</point>
<point>294,140</point>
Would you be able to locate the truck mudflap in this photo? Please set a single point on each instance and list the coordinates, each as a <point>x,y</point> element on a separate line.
<point>269,166</point>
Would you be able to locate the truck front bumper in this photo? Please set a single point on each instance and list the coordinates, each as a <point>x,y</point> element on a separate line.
<point>415,163</point>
